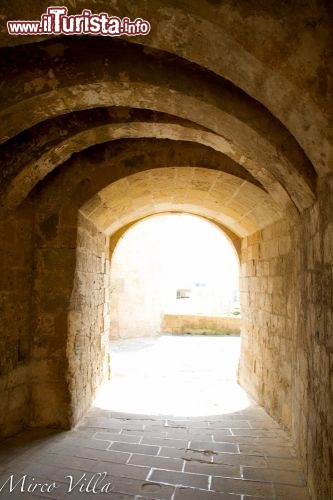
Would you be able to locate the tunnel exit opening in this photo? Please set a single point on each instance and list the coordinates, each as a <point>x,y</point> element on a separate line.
<point>174,273</point>
<point>174,319</point>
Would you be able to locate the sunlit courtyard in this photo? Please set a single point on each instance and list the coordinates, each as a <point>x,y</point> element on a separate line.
<point>174,375</point>
<point>171,264</point>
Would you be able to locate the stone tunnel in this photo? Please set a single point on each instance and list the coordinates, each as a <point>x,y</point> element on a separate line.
<point>224,110</point>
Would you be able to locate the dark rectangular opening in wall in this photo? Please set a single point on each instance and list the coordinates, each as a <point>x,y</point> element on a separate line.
<point>184,293</point>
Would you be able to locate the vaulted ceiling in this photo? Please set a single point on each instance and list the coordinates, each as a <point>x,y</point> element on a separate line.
<point>198,116</point>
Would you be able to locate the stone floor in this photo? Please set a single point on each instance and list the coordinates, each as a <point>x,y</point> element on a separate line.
<point>235,452</point>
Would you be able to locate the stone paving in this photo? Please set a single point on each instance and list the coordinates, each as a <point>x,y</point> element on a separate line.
<point>239,455</point>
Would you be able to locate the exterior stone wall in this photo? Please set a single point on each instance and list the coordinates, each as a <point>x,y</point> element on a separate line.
<point>209,325</point>
<point>16,236</point>
<point>136,280</point>
<point>287,343</point>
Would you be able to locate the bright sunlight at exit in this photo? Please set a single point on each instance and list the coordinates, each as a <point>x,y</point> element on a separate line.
<point>175,320</point>
<point>170,270</point>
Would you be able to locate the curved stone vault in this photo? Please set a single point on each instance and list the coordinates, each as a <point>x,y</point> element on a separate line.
<point>244,210</point>
<point>224,111</point>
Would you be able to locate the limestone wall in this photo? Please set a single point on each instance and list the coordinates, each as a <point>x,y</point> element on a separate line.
<point>54,264</point>
<point>312,392</point>
<point>70,306</point>
<point>138,282</point>
<point>210,325</point>
<point>287,348</point>
<point>266,294</point>
<point>89,318</point>
<point>15,306</point>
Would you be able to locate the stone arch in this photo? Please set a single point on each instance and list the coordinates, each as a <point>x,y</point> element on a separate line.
<point>244,62</point>
<point>254,76</point>
<point>258,140</point>
<point>76,244</point>
<point>182,189</point>
<point>31,173</point>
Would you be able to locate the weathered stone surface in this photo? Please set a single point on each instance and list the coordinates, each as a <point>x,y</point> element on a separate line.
<point>249,134</point>
<point>224,110</point>
<point>287,345</point>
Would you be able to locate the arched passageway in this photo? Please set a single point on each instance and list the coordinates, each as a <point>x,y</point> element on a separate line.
<point>178,274</point>
<point>98,133</point>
